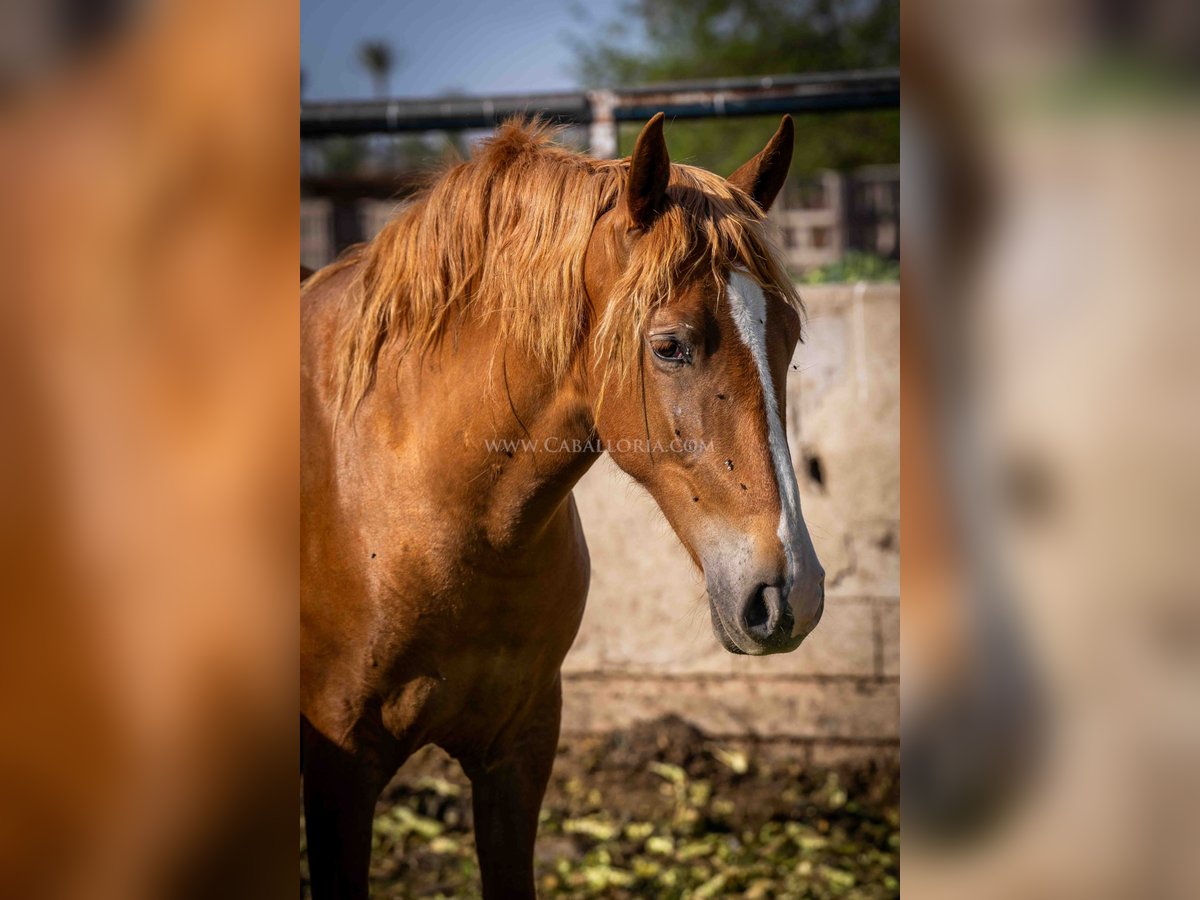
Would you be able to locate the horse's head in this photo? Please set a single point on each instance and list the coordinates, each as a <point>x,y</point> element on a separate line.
<point>700,422</point>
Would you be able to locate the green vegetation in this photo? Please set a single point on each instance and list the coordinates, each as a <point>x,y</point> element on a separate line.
<point>668,40</point>
<point>379,59</point>
<point>854,266</point>
<point>659,811</point>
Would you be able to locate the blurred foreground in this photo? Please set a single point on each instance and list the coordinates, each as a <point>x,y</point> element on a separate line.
<point>148,422</point>
<point>1051,623</point>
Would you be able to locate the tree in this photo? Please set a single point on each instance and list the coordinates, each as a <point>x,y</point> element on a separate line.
<point>378,58</point>
<point>668,40</point>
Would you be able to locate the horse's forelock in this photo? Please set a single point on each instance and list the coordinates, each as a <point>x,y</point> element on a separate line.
<point>505,234</point>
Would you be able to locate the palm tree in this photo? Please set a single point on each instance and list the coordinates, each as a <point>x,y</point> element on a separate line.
<point>378,58</point>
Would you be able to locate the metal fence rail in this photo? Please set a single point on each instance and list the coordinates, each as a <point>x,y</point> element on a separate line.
<point>816,92</point>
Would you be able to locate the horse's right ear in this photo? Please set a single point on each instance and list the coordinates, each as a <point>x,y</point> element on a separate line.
<point>764,175</point>
<point>649,173</point>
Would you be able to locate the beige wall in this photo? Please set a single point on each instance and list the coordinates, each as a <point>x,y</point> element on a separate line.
<point>646,647</point>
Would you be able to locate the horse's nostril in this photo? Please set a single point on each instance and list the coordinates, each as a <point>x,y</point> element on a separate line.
<point>757,615</point>
<point>766,613</point>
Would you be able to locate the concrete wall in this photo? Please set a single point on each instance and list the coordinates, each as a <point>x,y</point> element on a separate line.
<point>646,647</point>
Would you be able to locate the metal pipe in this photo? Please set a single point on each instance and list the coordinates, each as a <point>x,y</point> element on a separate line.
<point>816,92</point>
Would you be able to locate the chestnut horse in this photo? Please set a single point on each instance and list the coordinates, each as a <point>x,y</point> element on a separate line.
<point>534,308</point>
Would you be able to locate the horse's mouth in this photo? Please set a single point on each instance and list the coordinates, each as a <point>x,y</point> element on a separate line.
<point>721,632</point>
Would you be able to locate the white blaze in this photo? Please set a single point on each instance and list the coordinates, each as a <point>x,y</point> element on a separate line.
<point>748,307</point>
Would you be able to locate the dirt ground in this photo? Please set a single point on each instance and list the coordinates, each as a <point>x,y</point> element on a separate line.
<point>658,810</point>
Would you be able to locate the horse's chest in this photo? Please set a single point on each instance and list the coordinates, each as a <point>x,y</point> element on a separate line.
<point>484,655</point>
<point>485,681</point>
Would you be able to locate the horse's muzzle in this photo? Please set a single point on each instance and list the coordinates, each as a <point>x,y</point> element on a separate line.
<point>764,621</point>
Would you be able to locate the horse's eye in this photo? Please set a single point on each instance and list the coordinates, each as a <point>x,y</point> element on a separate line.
<point>669,348</point>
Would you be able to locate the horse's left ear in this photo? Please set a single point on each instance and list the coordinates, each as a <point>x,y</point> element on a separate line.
<point>764,175</point>
<point>649,174</point>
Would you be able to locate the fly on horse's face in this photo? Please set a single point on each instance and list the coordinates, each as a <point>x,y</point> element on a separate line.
<point>701,425</point>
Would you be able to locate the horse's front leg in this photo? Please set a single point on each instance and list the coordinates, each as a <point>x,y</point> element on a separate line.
<point>340,791</point>
<point>507,800</point>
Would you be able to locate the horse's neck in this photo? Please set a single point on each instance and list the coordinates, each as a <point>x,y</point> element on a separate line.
<point>497,441</point>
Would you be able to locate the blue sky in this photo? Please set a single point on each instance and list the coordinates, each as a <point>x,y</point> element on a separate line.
<point>473,46</point>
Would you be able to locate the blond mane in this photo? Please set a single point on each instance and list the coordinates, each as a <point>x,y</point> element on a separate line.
<point>503,237</point>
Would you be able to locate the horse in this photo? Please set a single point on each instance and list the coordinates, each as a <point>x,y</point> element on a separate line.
<point>532,309</point>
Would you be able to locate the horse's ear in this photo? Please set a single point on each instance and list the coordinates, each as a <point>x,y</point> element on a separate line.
<point>764,175</point>
<point>649,173</point>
